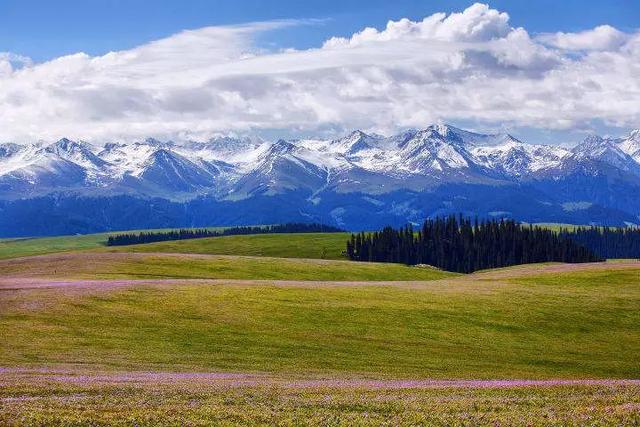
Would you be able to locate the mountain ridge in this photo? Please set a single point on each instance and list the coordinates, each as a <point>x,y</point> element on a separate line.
<point>599,174</point>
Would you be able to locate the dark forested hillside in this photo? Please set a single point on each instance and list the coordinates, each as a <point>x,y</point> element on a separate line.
<point>607,242</point>
<point>460,245</point>
<point>66,214</point>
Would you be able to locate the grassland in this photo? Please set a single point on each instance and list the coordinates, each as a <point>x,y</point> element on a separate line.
<point>557,226</point>
<point>57,402</point>
<point>21,247</point>
<point>14,248</point>
<point>172,266</point>
<point>117,337</point>
<point>577,324</point>
<point>311,246</point>
<point>315,246</point>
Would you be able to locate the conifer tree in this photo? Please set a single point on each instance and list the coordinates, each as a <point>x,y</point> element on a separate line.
<point>457,244</point>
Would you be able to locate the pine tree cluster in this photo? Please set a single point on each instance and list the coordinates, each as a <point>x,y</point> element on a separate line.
<point>457,244</point>
<point>607,242</point>
<point>162,236</point>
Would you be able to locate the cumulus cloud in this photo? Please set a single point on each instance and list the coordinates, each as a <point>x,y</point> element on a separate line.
<point>476,23</point>
<point>603,37</point>
<point>470,66</point>
<point>9,61</point>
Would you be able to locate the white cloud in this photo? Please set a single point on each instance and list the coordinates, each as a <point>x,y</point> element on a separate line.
<point>9,61</point>
<point>603,37</point>
<point>470,66</point>
<point>476,23</point>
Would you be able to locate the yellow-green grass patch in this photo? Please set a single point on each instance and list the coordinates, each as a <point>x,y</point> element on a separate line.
<point>575,324</point>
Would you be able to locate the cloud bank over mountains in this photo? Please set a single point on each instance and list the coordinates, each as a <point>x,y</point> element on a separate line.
<point>469,66</point>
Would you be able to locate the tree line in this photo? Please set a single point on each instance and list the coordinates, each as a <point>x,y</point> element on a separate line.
<point>460,245</point>
<point>607,242</point>
<point>182,234</point>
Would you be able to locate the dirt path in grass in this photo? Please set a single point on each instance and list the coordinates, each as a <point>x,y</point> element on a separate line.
<point>13,376</point>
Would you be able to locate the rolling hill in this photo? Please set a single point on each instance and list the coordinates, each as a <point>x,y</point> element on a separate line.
<point>105,312</point>
<point>177,331</point>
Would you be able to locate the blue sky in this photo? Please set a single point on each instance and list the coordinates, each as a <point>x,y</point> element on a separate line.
<point>44,29</point>
<point>545,70</point>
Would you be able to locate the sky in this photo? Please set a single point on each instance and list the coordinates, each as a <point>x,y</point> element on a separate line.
<point>543,70</point>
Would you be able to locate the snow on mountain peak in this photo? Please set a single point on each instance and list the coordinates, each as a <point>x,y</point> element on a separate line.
<point>75,152</point>
<point>442,129</point>
<point>593,141</point>
<point>357,134</point>
<point>438,152</point>
<point>352,144</point>
<point>8,149</point>
<point>63,145</point>
<point>614,152</point>
<point>451,132</point>
<point>428,150</point>
<point>161,154</point>
<point>281,147</point>
<point>515,158</point>
<point>594,146</point>
<point>155,142</point>
<point>631,145</point>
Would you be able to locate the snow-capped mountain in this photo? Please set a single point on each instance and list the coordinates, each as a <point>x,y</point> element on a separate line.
<point>283,167</point>
<point>514,158</point>
<point>430,156</point>
<point>397,177</point>
<point>606,151</point>
<point>25,170</point>
<point>171,172</point>
<point>631,145</point>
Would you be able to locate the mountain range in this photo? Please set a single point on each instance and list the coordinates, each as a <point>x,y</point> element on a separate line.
<point>359,181</point>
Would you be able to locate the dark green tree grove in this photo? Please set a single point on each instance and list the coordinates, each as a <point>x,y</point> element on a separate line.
<point>460,245</point>
<point>607,242</point>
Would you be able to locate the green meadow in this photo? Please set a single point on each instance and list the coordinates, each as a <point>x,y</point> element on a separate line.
<point>20,247</point>
<point>193,403</point>
<point>28,246</point>
<point>314,245</point>
<point>583,324</point>
<point>311,245</point>
<point>79,322</point>
<point>171,266</point>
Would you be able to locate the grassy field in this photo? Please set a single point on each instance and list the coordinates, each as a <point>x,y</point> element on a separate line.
<point>577,324</point>
<point>171,266</point>
<point>19,247</point>
<point>316,246</point>
<point>34,401</point>
<point>111,336</point>
<point>556,226</point>
<point>312,245</point>
<point>14,248</point>
<point>324,353</point>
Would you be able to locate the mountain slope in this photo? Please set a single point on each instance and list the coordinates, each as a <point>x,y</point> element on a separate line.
<point>359,180</point>
<point>281,168</point>
<point>170,172</point>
